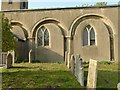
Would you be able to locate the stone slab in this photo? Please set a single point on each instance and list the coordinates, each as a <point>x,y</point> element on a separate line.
<point>92,74</point>
<point>72,64</point>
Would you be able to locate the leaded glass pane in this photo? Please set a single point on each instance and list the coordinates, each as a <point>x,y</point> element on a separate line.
<point>85,37</point>
<point>46,38</point>
<point>92,37</point>
<point>40,35</point>
<point>43,28</point>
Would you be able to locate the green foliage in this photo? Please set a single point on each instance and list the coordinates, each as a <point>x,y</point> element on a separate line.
<point>8,42</point>
<point>97,4</point>
<point>86,5</point>
<point>105,62</point>
<point>0,32</point>
<point>101,4</point>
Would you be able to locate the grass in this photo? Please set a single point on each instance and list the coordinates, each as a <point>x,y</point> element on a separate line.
<point>55,75</point>
<point>107,75</point>
<point>38,75</point>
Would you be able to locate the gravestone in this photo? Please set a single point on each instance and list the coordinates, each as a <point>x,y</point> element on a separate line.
<point>72,64</point>
<point>13,55</point>
<point>92,75</point>
<point>30,56</point>
<point>76,65</point>
<point>118,86</point>
<point>9,60</point>
<point>80,72</point>
<point>68,60</point>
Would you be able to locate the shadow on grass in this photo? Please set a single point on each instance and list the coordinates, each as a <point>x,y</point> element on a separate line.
<point>39,79</point>
<point>18,67</point>
<point>105,79</point>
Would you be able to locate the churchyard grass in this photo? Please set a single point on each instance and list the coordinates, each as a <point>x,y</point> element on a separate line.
<point>38,75</point>
<point>46,75</point>
<point>107,75</point>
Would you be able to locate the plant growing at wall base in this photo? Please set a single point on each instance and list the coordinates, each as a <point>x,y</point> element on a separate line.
<point>8,42</point>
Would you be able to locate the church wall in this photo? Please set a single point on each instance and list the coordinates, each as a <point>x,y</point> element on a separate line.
<point>22,50</point>
<point>55,51</point>
<point>66,17</point>
<point>7,6</point>
<point>101,49</point>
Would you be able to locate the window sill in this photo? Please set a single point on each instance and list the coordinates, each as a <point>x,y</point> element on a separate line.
<point>89,46</point>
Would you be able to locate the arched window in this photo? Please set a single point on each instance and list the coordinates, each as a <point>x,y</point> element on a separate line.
<point>88,36</point>
<point>43,37</point>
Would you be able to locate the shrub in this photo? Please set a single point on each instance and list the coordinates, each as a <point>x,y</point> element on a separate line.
<point>105,62</point>
<point>8,42</point>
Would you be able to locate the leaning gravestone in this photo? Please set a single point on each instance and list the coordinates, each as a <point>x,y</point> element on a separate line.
<point>80,72</point>
<point>72,64</point>
<point>9,61</point>
<point>92,75</point>
<point>76,65</point>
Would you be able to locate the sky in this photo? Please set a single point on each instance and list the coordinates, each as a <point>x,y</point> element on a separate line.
<point>34,4</point>
<point>65,3</point>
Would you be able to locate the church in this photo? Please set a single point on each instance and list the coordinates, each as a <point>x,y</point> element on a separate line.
<point>54,34</point>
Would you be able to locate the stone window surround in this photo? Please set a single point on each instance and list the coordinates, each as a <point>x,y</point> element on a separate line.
<point>89,39</point>
<point>36,40</point>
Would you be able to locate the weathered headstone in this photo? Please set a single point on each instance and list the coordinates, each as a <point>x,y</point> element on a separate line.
<point>92,75</point>
<point>118,86</point>
<point>76,65</point>
<point>9,60</point>
<point>13,55</point>
<point>30,56</point>
<point>80,72</point>
<point>68,60</point>
<point>72,64</point>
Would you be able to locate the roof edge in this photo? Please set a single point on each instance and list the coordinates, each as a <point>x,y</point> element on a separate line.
<point>64,8</point>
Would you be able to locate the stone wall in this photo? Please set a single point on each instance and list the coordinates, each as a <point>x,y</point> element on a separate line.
<point>70,22</point>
